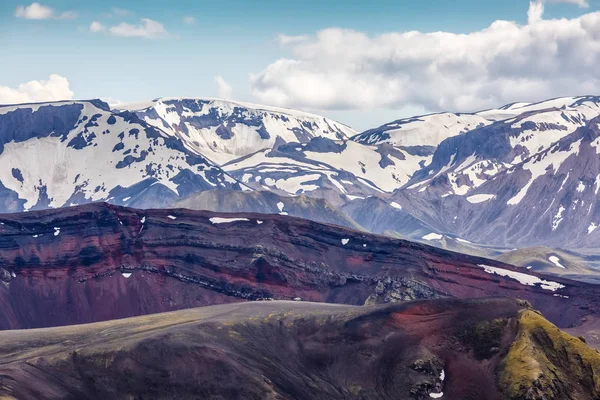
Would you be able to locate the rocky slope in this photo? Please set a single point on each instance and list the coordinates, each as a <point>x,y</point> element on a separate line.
<point>97,262</point>
<point>475,349</point>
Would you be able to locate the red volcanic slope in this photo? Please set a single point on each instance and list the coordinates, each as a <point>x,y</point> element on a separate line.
<point>68,266</point>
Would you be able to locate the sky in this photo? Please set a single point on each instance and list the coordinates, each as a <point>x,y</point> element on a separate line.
<point>362,63</point>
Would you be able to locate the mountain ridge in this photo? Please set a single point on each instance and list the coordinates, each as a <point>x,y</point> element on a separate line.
<point>465,180</point>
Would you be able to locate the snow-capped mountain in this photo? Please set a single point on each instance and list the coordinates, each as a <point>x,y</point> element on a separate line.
<point>521,175</point>
<point>148,155</point>
<point>66,153</point>
<point>425,130</point>
<point>529,180</point>
<point>281,150</point>
<point>225,130</point>
<point>338,171</point>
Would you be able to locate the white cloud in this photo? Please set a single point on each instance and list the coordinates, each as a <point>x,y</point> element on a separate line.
<point>97,27</point>
<point>346,69</point>
<point>55,88</point>
<point>535,12</point>
<point>38,11</point>
<point>148,29</point>
<point>224,89</point>
<point>189,20</point>
<point>34,11</point>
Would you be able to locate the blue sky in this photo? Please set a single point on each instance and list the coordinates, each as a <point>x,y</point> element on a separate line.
<point>233,39</point>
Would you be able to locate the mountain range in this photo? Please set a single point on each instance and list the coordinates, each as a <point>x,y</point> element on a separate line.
<point>445,255</point>
<point>523,175</point>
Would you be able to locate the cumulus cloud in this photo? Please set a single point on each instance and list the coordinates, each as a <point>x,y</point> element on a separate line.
<point>189,20</point>
<point>224,89</point>
<point>346,69</point>
<point>147,29</point>
<point>97,27</point>
<point>53,89</point>
<point>37,11</point>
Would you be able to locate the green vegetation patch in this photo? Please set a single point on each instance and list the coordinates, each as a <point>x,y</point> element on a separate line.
<point>546,363</point>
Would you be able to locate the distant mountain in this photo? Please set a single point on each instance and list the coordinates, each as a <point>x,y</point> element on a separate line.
<point>66,153</point>
<point>559,262</point>
<point>525,181</point>
<point>338,171</point>
<point>264,202</point>
<point>523,175</point>
<point>224,130</point>
<point>379,216</point>
<point>427,130</point>
<point>142,155</point>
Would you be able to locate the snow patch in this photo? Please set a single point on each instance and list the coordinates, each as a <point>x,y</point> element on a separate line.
<point>259,222</point>
<point>440,394</point>
<point>433,236</point>
<point>523,279</point>
<point>580,187</point>
<point>126,274</point>
<point>171,217</point>
<point>593,226</point>
<point>56,231</point>
<point>345,241</point>
<point>219,220</point>
<point>558,218</point>
<point>280,206</point>
<point>351,197</point>
<point>396,205</point>
<point>556,261</point>
<point>480,198</point>
<point>540,166</point>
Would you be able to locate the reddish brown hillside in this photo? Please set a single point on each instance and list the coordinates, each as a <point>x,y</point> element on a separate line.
<point>72,265</point>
